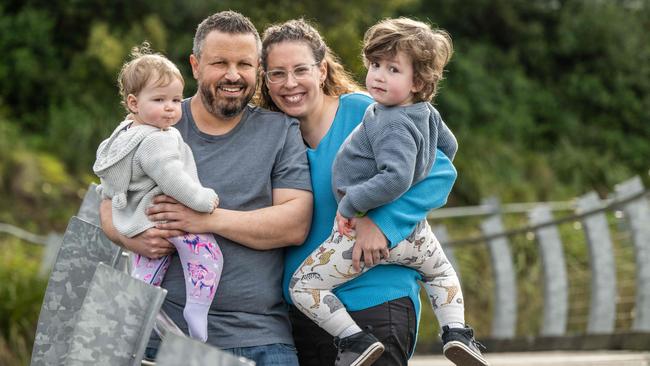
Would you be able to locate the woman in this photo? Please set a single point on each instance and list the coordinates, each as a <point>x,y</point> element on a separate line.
<point>304,79</point>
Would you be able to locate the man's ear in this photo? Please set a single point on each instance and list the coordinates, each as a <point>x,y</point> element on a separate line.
<point>194,62</point>
<point>132,103</point>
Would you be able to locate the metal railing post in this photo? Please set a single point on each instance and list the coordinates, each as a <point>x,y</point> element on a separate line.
<point>556,298</point>
<point>602,308</point>
<point>637,213</point>
<point>505,302</point>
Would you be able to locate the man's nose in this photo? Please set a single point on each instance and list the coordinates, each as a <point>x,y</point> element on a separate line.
<point>232,74</point>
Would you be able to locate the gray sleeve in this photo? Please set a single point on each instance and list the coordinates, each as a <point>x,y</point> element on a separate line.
<point>395,151</point>
<point>291,168</point>
<point>446,139</point>
<point>160,158</point>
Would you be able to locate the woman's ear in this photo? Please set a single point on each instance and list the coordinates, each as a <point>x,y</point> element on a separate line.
<point>323,71</point>
<point>132,103</point>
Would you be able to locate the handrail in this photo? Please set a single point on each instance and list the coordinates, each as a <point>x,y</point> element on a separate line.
<point>609,204</point>
<point>508,208</point>
<point>23,234</point>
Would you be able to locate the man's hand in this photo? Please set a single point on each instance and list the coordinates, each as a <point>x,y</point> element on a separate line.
<point>169,214</point>
<point>151,243</point>
<point>371,242</point>
<point>344,225</point>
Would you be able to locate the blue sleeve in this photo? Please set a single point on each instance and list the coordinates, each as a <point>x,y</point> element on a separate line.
<point>398,219</point>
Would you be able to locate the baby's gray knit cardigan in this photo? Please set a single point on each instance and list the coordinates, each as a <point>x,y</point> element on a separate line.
<point>136,164</point>
<point>392,149</point>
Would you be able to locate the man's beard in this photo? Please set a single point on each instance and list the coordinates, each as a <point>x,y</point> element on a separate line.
<point>224,107</point>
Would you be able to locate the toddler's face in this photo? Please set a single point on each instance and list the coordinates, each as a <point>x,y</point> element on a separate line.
<point>159,105</point>
<point>390,80</point>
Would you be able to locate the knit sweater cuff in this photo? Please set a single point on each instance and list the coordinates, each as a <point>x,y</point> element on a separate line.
<point>346,209</point>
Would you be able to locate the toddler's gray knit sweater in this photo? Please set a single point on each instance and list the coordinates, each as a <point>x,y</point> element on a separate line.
<point>392,149</point>
<point>136,164</point>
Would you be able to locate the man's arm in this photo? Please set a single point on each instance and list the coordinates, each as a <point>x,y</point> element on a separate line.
<point>285,223</point>
<point>151,243</point>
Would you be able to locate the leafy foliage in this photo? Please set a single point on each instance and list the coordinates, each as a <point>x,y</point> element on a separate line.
<point>21,291</point>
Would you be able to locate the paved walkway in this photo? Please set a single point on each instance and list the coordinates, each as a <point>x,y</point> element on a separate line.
<point>554,358</point>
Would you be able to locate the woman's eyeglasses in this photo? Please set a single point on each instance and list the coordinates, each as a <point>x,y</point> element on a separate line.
<point>280,76</point>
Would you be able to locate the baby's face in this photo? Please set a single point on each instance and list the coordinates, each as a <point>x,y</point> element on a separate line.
<point>160,105</point>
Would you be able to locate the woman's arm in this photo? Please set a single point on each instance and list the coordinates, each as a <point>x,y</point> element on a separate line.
<point>398,219</point>
<point>387,225</point>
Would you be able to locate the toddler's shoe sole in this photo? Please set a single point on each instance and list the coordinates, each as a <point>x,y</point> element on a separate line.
<point>370,355</point>
<point>461,355</point>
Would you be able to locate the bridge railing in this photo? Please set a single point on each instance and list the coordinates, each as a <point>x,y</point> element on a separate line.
<point>607,228</point>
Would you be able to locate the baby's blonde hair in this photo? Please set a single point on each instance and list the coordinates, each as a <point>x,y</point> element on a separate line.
<point>429,49</point>
<point>142,68</point>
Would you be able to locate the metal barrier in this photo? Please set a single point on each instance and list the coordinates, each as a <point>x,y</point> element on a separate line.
<point>630,202</point>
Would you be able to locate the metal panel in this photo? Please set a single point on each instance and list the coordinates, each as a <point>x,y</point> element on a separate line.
<point>89,209</point>
<point>84,245</point>
<point>176,350</point>
<point>114,323</point>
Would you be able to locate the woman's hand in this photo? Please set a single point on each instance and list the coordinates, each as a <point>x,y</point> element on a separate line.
<point>371,242</point>
<point>169,214</point>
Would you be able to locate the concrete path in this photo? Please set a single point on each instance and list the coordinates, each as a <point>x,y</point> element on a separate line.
<point>554,358</point>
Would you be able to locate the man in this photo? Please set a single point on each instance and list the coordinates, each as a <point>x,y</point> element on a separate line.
<point>255,160</point>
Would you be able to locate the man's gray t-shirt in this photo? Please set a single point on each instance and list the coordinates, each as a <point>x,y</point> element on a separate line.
<point>264,151</point>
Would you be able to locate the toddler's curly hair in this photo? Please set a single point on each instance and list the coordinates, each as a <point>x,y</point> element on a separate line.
<point>429,49</point>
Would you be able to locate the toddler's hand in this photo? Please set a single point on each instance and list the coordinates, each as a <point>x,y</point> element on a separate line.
<point>344,224</point>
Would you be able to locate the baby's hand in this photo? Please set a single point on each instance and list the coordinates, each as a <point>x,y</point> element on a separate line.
<point>216,204</point>
<point>344,225</point>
